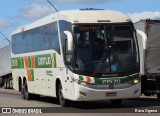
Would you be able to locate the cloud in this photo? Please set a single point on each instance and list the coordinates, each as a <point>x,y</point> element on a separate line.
<point>3,23</point>
<point>39,10</point>
<point>5,28</point>
<point>144,15</point>
<point>36,11</point>
<point>81,1</point>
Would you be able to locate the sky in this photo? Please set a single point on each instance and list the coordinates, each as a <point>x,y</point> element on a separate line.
<point>16,13</point>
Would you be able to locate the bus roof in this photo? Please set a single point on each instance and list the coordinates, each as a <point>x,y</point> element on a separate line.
<point>79,16</point>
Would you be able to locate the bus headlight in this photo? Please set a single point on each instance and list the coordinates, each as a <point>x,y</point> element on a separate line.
<point>135,81</point>
<point>85,84</point>
<point>82,83</point>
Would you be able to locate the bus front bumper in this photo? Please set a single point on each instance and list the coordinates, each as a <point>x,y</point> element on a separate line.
<point>88,94</point>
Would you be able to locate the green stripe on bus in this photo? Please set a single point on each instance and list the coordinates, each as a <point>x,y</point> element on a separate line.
<point>22,62</point>
<point>55,62</point>
<point>81,78</point>
<point>32,73</point>
<point>16,63</point>
<point>122,79</point>
<point>29,62</point>
<point>41,61</point>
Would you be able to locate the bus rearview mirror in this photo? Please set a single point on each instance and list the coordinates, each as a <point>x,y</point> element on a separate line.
<point>70,40</point>
<point>143,37</point>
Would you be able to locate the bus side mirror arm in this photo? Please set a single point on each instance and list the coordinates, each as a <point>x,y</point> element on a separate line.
<point>70,40</point>
<point>144,38</point>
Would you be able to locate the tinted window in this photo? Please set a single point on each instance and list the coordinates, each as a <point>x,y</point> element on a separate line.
<point>38,39</point>
<point>16,43</point>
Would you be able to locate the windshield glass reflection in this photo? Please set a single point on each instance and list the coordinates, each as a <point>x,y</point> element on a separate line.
<point>105,49</point>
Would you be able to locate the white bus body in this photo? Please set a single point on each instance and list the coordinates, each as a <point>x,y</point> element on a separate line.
<point>46,54</point>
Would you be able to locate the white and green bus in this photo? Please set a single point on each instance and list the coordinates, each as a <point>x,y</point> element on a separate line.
<point>77,55</point>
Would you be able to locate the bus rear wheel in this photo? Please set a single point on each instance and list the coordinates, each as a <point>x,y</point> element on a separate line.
<point>25,94</point>
<point>62,100</point>
<point>5,83</point>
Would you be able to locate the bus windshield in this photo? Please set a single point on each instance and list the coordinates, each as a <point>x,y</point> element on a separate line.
<point>103,49</point>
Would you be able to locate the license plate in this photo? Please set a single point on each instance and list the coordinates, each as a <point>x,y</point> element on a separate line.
<point>109,94</point>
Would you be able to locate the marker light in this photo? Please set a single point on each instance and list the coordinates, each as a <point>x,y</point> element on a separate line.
<point>135,81</point>
<point>83,84</point>
<point>101,21</point>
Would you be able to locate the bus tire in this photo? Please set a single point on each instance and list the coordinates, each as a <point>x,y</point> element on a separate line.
<point>22,92</point>
<point>25,94</point>
<point>62,100</point>
<point>8,83</point>
<point>158,96</point>
<point>20,84</point>
<point>116,102</point>
<point>1,81</point>
<point>5,83</point>
<point>11,84</point>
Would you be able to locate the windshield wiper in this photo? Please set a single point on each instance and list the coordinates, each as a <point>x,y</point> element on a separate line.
<point>103,57</point>
<point>100,63</point>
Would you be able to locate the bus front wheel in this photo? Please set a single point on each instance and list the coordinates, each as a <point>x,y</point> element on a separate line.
<point>62,100</point>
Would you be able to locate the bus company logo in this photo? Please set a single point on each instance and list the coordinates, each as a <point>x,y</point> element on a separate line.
<point>6,110</point>
<point>44,61</point>
<point>49,73</point>
<point>14,63</point>
<point>111,86</point>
